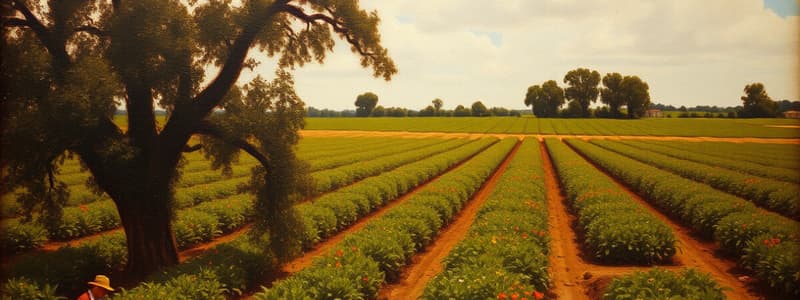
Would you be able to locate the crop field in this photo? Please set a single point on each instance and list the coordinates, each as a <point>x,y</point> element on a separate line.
<point>423,216</point>
<point>767,128</point>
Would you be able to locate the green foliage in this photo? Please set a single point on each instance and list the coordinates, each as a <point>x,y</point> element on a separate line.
<point>204,285</point>
<point>737,225</point>
<point>757,104</point>
<point>479,110</point>
<point>526,125</point>
<point>545,99</point>
<point>365,103</point>
<point>774,260</point>
<point>23,288</point>
<point>662,284</point>
<point>778,196</point>
<point>582,89</point>
<point>615,228</point>
<point>18,237</point>
<point>388,242</point>
<point>506,246</point>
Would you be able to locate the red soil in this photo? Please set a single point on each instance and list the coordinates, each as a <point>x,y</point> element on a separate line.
<point>426,265</point>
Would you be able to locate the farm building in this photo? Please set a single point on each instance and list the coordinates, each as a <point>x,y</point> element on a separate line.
<point>792,114</point>
<point>654,113</point>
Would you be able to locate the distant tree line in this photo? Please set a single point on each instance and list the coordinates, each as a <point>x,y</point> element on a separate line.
<point>367,106</point>
<point>624,97</point>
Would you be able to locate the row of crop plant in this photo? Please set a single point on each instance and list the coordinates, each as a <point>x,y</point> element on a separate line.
<point>778,196</point>
<point>319,217</point>
<point>334,211</point>
<point>614,227</point>
<point>765,243</point>
<point>507,241</point>
<point>83,220</point>
<point>771,155</point>
<point>330,179</point>
<point>721,160</point>
<point>375,254</point>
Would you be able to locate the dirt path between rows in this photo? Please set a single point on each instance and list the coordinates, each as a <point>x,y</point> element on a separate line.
<point>575,277</point>
<point>565,265</point>
<point>300,263</point>
<point>410,134</point>
<point>427,264</point>
<point>693,252</point>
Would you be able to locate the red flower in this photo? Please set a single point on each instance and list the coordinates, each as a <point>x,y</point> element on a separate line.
<point>338,264</point>
<point>339,253</point>
<point>502,296</point>
<point>365,279</point>
<point>83,208</point>
<point>524,235</point>
<point>538,295</point>
<point>514,296</point>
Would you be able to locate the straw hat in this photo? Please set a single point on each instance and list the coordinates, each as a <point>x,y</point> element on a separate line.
<point>103,282</point>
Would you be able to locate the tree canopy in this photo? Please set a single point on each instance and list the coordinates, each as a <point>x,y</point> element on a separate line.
<point>611,93</point>
<point>365,104</point>
<point>545,99</point>
<point>756,102</point>
<point>480,110</point>
<point>68,64</point>
<point>582,88</point>
<point>636,95</point>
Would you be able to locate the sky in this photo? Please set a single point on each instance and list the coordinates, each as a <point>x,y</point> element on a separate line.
<point>689,52</point>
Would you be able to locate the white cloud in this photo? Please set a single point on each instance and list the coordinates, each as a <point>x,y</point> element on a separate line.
<point>690,52</point>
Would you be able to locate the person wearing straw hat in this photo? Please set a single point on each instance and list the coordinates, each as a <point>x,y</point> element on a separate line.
<point>98,288</point>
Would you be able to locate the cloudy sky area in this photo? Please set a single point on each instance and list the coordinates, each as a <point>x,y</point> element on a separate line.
<point>690,52</point>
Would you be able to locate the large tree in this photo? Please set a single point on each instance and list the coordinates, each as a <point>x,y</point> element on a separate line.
<point>68,64</point>
<point>365,103</point>
<point>545,99</point>
<point>756,102</point>
<point>636,94</point>
<point>611,93</point>
<point>582,88</point>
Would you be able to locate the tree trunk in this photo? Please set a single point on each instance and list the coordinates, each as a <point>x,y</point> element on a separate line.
<point>146,218</point>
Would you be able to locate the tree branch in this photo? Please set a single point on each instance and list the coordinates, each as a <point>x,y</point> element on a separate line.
<point>92,30</point>
<point>209,129</point>
<point>15,22</point>
<point>337,26</point>
<point>193,148</point>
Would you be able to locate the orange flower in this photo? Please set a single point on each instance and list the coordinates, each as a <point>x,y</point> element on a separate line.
<point>502,296</point>
<point>515,296</point>
<point>338,264</point>
<point>83,208</point>
<point>339,253</point>
<point>365,279</point>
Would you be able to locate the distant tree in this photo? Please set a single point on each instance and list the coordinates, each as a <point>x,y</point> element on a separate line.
<point>636,95</point>
<point>611,93</point>
<point>365,103</point>
<point>71,63</point>
<point>378,111</point>
<point>479,110</point>
<point>582,88</point>
<point>515,113</point>
<point>396,112</point>
<point>461,111</point>
<point>437,105</point>
<point>499,111</point>
<point>757,104</point>
<point>313,112</point>
<point>786,105</point>
<point>428,111</point>
<point>545,99</point>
